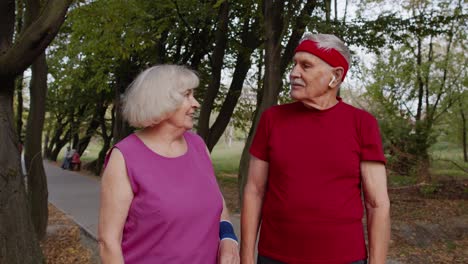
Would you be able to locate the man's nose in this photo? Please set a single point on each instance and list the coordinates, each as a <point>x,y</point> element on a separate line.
<point>294,73</point>
<point>195,103</point>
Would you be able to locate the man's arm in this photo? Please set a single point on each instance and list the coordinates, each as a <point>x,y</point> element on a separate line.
<point>251,207</point>
<point>377,203</point>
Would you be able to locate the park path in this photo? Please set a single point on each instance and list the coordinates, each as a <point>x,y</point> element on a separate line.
<point>77,195</point>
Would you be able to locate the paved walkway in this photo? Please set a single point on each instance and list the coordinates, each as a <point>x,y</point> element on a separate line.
<point>77,195</point>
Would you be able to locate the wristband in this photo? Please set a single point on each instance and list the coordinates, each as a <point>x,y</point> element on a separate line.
<point>226,231</point>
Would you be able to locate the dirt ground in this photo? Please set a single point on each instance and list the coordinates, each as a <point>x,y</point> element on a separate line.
<point>63,243</point>
<point>429,225</point>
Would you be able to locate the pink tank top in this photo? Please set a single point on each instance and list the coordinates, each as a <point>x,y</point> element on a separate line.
<point>175,213</point>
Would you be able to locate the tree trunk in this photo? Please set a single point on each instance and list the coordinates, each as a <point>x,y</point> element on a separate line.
<point>125,74</point>
<point>75,137</point>
<point>57,143</point>
<point>102,155</point>
<point>121,127</point>
<point>463,137</point>
<point>216,67</point>
<point>19,106</point>
<point>90,131</point>
<point>249,42</point>
<point>18,241</point>
<point>46,143</point>
<point>19,79</point>
<point>101,109</point>
<point>37,180</point>
<point>275,66</point>
<point>273,22</point>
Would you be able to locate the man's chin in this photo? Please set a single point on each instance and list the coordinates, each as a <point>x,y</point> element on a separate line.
<point>294,96</point>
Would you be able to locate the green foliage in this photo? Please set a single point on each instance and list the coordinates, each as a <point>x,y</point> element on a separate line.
<point>414,83</point>
<point>105,41</point>
<point>452,124</point>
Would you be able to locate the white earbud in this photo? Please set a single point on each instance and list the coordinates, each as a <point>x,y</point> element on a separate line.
<point>334,78</point>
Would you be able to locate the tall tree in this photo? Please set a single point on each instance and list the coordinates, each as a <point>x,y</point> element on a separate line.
<point>18,242</point>
<point>221,39</point>
<point>413,84</point>
<point>19,80</point>
<point>279,29</point>
<point>37,180</point>
<point>247,34</point>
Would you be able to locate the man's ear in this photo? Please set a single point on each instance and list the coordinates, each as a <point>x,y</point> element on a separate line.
<point>337,75</point>
<point>338,72</point>
<point>332,81</point>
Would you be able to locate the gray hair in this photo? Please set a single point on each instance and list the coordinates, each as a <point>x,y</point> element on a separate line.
<point>155,93</point>
<point>328,41</point>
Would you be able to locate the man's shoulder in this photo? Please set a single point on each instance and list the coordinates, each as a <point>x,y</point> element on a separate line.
<point>283,108</point>
<point>358,112</point>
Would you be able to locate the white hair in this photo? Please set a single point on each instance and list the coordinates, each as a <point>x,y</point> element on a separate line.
<point>328,41</point>
<point>155,93</point>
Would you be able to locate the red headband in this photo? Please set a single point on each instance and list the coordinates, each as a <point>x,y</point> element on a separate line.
<point>330,56</point>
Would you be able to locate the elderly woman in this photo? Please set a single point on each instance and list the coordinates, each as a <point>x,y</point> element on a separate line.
<point>160,202</point>
<point>309,160</point>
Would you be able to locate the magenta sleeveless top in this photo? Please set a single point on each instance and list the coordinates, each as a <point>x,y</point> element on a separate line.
<point>175,213</point>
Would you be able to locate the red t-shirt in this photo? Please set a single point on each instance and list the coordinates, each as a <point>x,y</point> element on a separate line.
<point>312,209</point>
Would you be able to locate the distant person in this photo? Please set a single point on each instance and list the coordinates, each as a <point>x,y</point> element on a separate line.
<point>76,161</point>
<point>160,202</point>
<point>67,159</point>
<point>310,161</point>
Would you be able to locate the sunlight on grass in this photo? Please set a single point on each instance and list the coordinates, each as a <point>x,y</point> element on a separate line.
<point>397,181</point>
<point>91,153</point>
<point>447,161</point>
<point>226,158</point>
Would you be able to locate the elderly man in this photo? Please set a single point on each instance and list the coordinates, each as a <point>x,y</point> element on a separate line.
<point>309,161</point>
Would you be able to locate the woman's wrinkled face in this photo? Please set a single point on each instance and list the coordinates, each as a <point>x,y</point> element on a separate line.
<point>309,77</point>
<point>183,116</point>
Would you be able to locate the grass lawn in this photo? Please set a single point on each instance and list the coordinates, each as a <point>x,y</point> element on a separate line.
<point>226,163</point>
<point>448,162</point>
<point>226,158</point>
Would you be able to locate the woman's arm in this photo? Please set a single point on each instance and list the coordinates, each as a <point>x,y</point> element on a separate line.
<point>228,248</point>
<point>116,197</point>
<point>228,252</point>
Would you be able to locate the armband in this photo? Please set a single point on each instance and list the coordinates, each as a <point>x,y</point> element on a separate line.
<point>226,231</point>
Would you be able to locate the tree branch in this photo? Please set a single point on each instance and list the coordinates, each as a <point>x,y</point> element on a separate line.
<point>456,164</point>
<point>34,39</point>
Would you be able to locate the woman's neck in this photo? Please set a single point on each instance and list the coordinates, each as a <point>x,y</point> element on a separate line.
<point>164,139</point>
